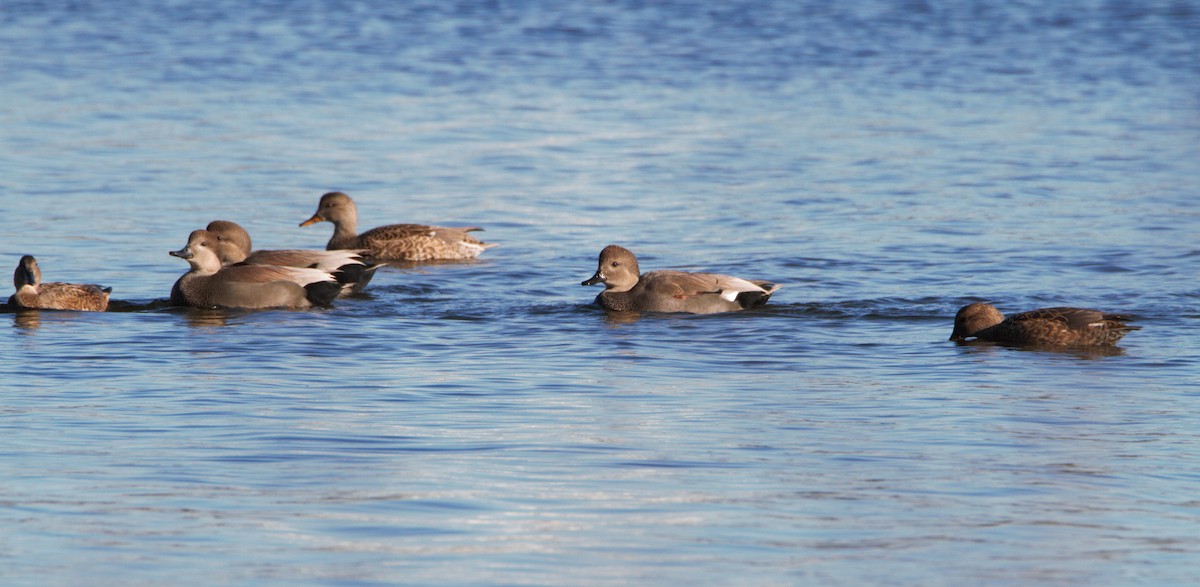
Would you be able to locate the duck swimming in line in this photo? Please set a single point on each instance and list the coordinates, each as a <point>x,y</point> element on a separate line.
<point>32,293</point>
<point>627,289</point>
<point>347,266</point>
<point>394,242</point>
<point>211,285</point>
<point>1044,327</point>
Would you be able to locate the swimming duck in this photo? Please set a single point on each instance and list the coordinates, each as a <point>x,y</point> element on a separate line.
<point>1042,327</point>
<point>210,285</point>
<point>347,266</point>
<point>394,242</point>
<point>627,289</point>
<point>32,293</point>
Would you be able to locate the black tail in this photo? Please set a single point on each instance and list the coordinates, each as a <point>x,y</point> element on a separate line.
<point>752,299</point>
<point>355,276</point>
<point>322,293</point>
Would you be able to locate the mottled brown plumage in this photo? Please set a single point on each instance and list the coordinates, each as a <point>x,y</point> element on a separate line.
<point>627,289</point>
<point>1065,327</point>
<point>210,285</point>
<point>32,293</point>
<point>234,246</point>
<point>394,242</point>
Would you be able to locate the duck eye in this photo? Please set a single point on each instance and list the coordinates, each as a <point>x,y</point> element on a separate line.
<point>614,263</point>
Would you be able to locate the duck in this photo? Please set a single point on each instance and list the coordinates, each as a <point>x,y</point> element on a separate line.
<point>32,293</point>
<point>627,289</point>
<point>1060,326</point>
<point>347,265</point>
<point>208,284</point>
<point>394,242</point>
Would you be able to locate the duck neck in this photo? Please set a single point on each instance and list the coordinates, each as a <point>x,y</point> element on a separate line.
<point>345,230</point>
<point>205,264</point>
<point>27,291</point>
<point>233,254</point>
<point>202,270</point>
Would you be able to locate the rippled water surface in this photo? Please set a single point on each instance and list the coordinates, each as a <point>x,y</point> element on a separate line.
<point>481,423</point>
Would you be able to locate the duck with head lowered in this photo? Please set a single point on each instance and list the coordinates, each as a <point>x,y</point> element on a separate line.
<point>1061,327</point>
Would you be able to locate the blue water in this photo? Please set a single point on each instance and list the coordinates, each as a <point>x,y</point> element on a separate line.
<point>481,423</point>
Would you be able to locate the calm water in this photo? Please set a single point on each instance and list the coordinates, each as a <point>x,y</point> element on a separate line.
<point>481,423</point>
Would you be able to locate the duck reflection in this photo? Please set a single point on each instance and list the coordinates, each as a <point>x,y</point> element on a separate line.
<point>617,318</point>
<point>207,318</point>
<point>1080,352</point>
<point>27,319</point>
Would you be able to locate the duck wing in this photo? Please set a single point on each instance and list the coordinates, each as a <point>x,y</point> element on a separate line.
<point>268,273</point>
<point>1071,318</point>
<point>73,296</point>
<point>324,260</point>
<point>683,284</point>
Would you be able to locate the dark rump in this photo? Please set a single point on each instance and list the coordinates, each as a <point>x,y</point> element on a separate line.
<point>322,293</point>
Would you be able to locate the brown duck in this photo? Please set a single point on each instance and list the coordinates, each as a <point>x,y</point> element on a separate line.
<point>32,293</point>
<point>627,289</point>
<point>234,246</point>
<point>394,242</point>
<point>1043,327</point>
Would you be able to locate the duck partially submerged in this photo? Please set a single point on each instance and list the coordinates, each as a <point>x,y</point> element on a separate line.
<point>210,285</point>
<point>394,242</point>
<point>1065,327</point>
<point>347,266</point>
<point>32,293</point>
<point>627,289</point>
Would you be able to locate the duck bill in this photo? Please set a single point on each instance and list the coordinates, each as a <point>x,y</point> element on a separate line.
<point>593,280</point>
<point>958,336</point>
<point>27,276</point>
<point>184,253</point>
<point>315,219</point>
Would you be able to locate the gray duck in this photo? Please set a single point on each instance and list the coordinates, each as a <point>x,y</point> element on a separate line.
<point>627,289</point>
<point>347,266</point>
<point>211,285</point>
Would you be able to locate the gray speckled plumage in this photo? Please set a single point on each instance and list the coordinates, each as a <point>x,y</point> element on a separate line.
<point>394,242</point>
<point>627,289</point>
<point>347,266</point>
<point>32,293</point>
<point>210,285</point>
<point>1065,327</point>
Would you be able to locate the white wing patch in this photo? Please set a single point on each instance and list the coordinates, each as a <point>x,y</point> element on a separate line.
<point>305,276</point>
<point>732,286</point>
